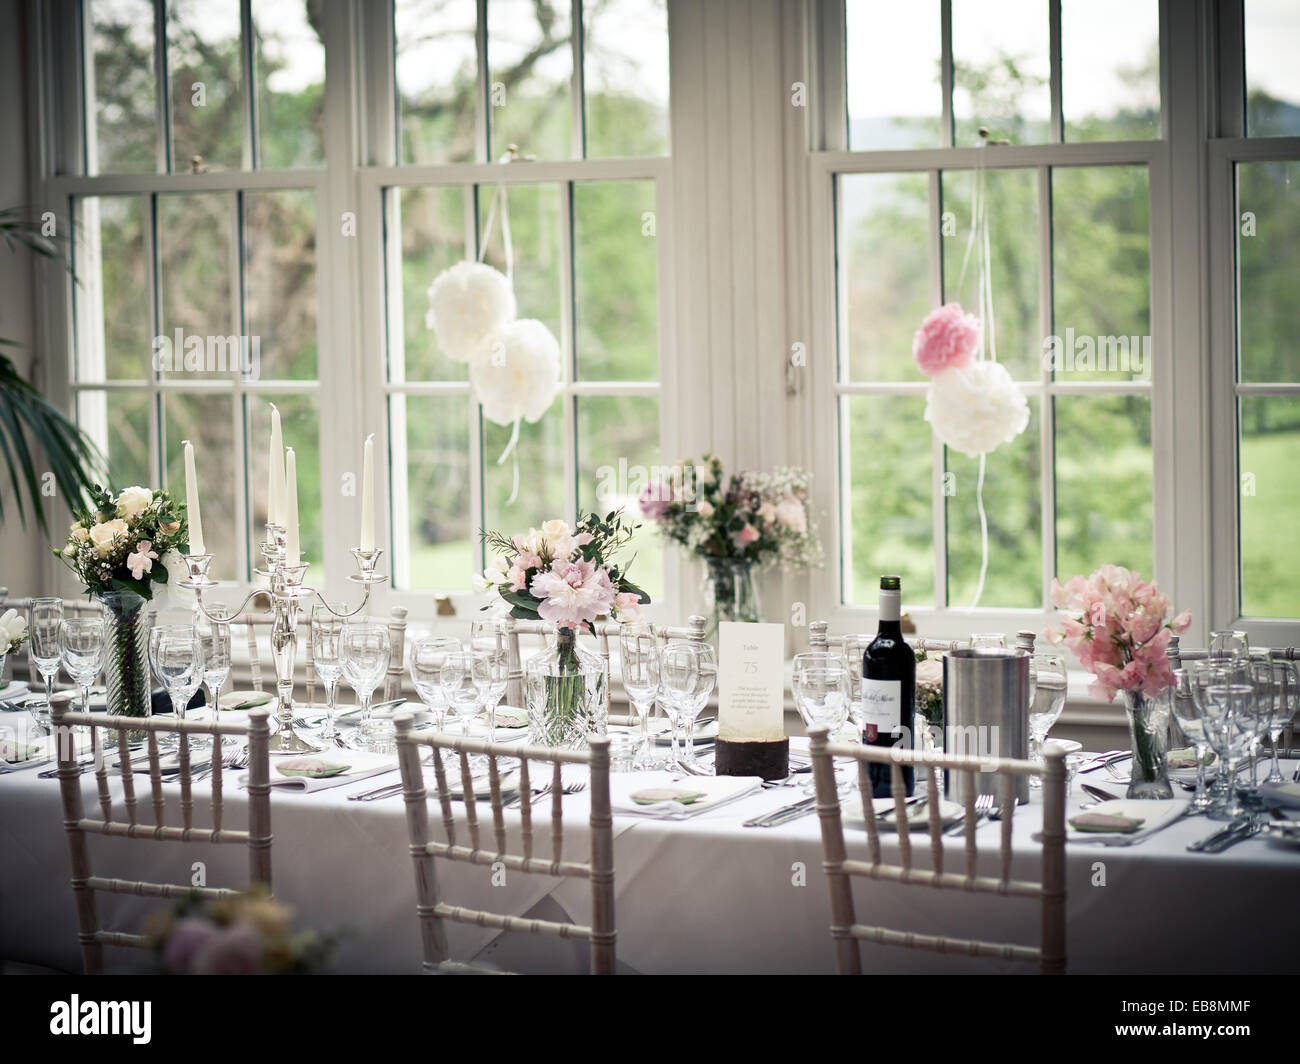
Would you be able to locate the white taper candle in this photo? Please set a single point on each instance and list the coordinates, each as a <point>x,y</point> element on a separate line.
<point>275,475</point>
<point>192,501</point>
<point>291,549</point>
<point>368,496</point>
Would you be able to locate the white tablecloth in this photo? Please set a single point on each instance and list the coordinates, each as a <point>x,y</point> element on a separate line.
<point>704,895</point>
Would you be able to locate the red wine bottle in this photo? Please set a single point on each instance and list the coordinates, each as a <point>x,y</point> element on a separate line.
<point>888,688</point>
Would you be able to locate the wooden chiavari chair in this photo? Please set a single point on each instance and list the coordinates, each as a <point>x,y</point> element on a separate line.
<point>396,654</point>
<point>846,932</point>
<point>86,885</point>
<point>598,868</point>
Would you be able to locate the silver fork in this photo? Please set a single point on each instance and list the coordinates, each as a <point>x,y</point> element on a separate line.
<point>983,810</point>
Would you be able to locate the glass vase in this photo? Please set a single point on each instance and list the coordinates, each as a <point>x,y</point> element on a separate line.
<point>1148,725</point>
<point>566,688</point>
<point>126,654</point>
<point>730,592</point>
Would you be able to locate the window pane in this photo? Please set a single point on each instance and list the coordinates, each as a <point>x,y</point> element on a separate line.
<point>1268,262</point>
<point>119,423</point>
<point>1110,82</point>
<point>541,473</point>
<point>290,58</point>
<point>618,453</point>
<point>530,75</point>
<point>1001,62</point>
<point>1102,273</point>
<point>616,288</point>
<point>280,282</point>
<point>300,426</point>
<point>1012,206</point>
<point>886,468</point>
<point>536,236</point>
<point>115,335</point>
<point>884,226</point>
<point>441,528</point>
<point>205,69</point>
<point>1270,505</point>
<point>895,92</point>
<point>206,421</point>
<point>195,238</point>
<point>432,223</point>
<point>1272,78</point>
<point>1013,506</point>
<point>437,70</point>
<point>1103,483</point>
<point>122,88</point>
<point>625,57</point>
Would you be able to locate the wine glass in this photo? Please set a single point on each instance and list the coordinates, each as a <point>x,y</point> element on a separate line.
<point>821,691</point>
<point>689,672</point>
<point>81,649</point>
<point>1222,690</point>
<point>1228,645</point>
<point>1190,717</point>
<point>44,617</point>
<point>213,628</point>
<point>327,659</point>
<point>427,659</point>
<point>1050,688</point>
<point>1254,720</point>
<point>988,641</point>
<point>176,655</point>
<point>1285,680</point>
<point>490,670</point>
<point>457,679</point>
<point>639,663</point>
<point>490,634</point>
<point>365,650</point>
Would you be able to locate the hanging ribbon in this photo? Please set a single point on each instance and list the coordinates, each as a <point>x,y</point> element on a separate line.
<point>500,201</point>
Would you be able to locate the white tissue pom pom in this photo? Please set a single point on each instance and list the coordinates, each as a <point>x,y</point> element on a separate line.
<point>517,373</point>
<point>466,303</point>
<point>975,408</point>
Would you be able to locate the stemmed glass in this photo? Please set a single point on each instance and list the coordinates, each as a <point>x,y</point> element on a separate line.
<point>689,672</point>
<point>81,649</point>
<point>428,656</point>
<point>821,689</point>
<point>458,688</point>
<point>366,651</point>
<point>1228,646</point>
<point>1222,691</point>
<point>213,628</point>
<point>1190,717</point>
<point>1285,681</point>
<point>988,641</point>
<point>176,655</point>
<point>490,670</point>
<point>327,660</point>
<point>639,663</point>
<point>46,614</point>
<point>1050,687</point>
<point>1254,721</point>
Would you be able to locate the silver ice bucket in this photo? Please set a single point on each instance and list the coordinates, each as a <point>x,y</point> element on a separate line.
<point>986,704</point>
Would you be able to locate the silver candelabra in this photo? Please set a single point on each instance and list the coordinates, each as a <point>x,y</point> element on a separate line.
<point>288,594</point>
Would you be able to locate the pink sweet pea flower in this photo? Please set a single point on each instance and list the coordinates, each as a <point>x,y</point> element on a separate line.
<point>141,561</point>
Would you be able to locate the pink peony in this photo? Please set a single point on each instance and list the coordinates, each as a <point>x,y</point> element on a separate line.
<point>747,535</point>
<point>947,338</point>
<point>655,498</point>
<point>627,605</point>
<point>573,593</point>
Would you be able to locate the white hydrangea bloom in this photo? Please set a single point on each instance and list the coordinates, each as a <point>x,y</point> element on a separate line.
<point>517,374</point>
<point>468,302</point>
<point>976,408</point>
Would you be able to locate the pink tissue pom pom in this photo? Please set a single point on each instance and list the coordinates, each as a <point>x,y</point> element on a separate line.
<point>947,337</point>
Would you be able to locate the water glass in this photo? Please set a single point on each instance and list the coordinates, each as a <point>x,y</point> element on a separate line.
<point>428,656</point>
<point>44,617</point>
<point>1190,718</point>
<point>1222,692</point>
<point>689,672</point>
<point>639,664</point>
<point>458,687</point>
<point>176,656</point>
<point>491,669</point>
<point>213,628</point>
<point>988,641</point>
<point>81,650</point>
<point>1285,697</point>
<point>821,689</point>
<point>366,651</point>
<point>1049,688</point>
<point>1228,645</point>
<point>327,657</point>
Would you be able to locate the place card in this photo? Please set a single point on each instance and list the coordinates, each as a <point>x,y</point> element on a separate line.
<point>751,701</point>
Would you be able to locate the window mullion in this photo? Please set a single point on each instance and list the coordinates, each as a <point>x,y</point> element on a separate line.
<point>579,82</point>
<point>947,137</point>
<point>1046,402</point>
<point>1057,127</point>
<point>162,87</point>
<point>248,85</point>
<point>483,108</point>
<point>152,287</point>
<point>568,351</point>
<point>938,455</point>
<point>240,420</point>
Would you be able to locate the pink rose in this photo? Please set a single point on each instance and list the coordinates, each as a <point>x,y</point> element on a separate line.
<point>747,535</point>
<point>655,498</point>
<point>947,338</point>
<point>627,605</point>
<point>517,577</point>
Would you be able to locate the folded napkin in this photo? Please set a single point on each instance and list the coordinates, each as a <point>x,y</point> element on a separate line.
<point>243,700</point>
<point>20,750</point>
<point>13,689</point>
<point>668,796</point>
<point>1151,816</point>
<point>361,764</point>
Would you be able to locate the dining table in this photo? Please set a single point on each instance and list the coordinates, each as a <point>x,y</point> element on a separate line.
<point>699,893</point>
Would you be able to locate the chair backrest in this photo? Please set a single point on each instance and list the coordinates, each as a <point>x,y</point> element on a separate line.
<point>257,624</point>
<point>396,654</point>
<point>819,638</point>
<point>85,885</point>
<point>846,932</point>
<point>598,868</point>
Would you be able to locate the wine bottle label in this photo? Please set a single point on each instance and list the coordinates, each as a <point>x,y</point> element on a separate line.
<point>882,708</point>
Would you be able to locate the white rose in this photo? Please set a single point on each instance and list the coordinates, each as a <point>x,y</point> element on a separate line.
<point>554,530</point>
<point>80,533</point>
<point>132,500</point>
<point>704,508</point>
<point>13,624</point>
<point>929,673</point>
<point>790,512</point>
<point>103,536</point>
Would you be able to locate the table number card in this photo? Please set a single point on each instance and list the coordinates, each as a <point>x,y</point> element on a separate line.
<point>751,701</point>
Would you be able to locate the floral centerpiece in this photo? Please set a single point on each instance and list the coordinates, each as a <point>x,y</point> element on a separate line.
<point>1118,626</point>
<point>929,688</point>
<point>735,524</point>
<point>246,934</point>
<point>567,577</point>
<point>123,548</point>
